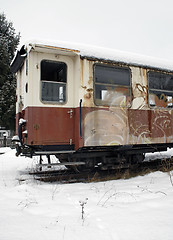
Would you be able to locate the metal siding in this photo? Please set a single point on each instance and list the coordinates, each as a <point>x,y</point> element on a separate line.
<point>51,123</point>
<point>49,126</point>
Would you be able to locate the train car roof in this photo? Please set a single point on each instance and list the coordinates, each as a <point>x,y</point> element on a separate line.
<point>89,52</point>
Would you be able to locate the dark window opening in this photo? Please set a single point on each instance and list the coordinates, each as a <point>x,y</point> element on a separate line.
<point>53,81</point>
<point>160,89</point>
<point>112,86</point>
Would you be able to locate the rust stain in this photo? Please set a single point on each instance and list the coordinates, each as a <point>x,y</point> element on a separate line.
<point>139,97</point>
<point>160,102</point>
<point>90,80</point>
<point>90,90</point>
<point>84,87</point>
<point>58,48</point>
<point>87,95</point>
<point>87,83</point>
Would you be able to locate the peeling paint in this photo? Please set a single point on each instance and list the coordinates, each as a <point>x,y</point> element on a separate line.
<point>105,128</point>
<point>127,120</point>
<point>87,95</point>
<point>119,126</point>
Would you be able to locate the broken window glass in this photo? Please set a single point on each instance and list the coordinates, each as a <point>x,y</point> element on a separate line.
<point>160,89</point>
<point>112,86</point>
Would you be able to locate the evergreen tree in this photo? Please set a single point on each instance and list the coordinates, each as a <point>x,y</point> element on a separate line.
<point>9,41</point>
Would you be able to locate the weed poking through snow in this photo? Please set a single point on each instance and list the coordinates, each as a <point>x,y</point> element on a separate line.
<point>82,204</point>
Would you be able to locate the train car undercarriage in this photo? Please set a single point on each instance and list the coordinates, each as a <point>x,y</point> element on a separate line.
<point>89,158</point>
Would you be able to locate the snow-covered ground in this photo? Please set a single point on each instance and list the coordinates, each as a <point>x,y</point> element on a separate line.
<point>133,209</point>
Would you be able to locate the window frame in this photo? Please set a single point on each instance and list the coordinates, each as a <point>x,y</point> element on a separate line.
<point>48,81</point>
<point>158,90</point>
<point>105,84</point>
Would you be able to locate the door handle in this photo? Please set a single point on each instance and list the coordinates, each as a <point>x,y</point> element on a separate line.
<point>70,112</point>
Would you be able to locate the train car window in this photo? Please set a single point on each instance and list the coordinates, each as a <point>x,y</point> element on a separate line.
<point>160,89</point>
<point>112,86</point>
<point>53,81</point>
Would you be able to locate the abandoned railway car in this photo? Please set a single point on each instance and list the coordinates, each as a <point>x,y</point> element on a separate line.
<point>91,106</point>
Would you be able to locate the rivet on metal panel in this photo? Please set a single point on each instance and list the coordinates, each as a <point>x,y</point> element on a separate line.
<point>36,126</point>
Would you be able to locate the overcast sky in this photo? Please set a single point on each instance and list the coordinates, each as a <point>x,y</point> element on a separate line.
<point>139,26</point>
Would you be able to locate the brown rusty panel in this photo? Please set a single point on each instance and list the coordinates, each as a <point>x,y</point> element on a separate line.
<point>50,126</point>
<point>149,126</point>
<point>139,123</point>
<point>100,126</point>
<point>118,126</point>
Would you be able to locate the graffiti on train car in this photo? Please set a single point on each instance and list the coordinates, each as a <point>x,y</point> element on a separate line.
<point>120,127</point>
<point>129,121</point>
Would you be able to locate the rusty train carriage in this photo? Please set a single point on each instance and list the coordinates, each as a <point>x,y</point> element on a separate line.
<point>89,107</point>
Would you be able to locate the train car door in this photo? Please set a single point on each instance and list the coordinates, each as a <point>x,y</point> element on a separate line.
<point>53,121</point>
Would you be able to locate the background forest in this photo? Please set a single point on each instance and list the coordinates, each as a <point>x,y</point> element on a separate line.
<point>9,41</point>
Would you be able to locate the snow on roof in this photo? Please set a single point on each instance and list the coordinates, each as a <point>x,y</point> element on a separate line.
<point>108,54</point>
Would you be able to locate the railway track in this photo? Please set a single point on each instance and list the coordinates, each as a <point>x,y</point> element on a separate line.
<point>123,172</point>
